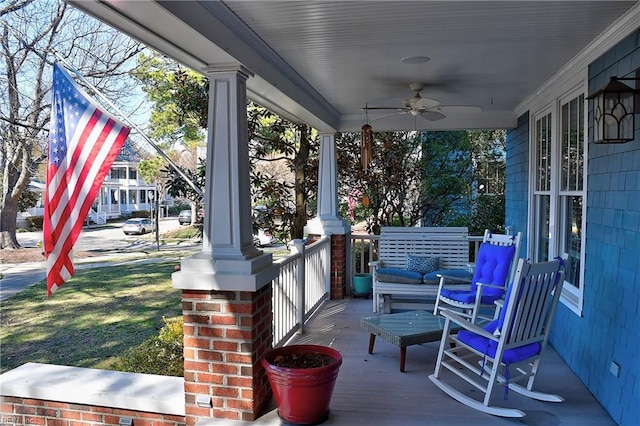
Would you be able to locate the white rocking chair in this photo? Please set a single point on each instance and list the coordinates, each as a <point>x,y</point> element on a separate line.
<point>507,350</point>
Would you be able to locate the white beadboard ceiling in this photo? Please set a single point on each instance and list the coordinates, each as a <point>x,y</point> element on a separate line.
<point>321,62</point>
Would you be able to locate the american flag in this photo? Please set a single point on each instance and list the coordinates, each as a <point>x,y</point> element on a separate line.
<point>83,143</point>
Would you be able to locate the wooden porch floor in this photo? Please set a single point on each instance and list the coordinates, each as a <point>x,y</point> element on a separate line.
<point>371,391</point>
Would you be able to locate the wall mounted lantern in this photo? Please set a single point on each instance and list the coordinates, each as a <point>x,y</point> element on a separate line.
<point>614,110</point>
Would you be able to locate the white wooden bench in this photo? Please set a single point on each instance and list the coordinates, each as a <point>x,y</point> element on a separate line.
<point>449,244</point>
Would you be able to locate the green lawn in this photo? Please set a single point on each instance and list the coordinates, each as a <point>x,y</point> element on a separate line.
<point>96,315</point>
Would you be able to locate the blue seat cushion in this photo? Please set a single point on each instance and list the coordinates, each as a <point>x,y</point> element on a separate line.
<point>398,275</point>
<point>468,296</point>
<point>489,347</point>
<point>432,277</point>
<point>492,267</point>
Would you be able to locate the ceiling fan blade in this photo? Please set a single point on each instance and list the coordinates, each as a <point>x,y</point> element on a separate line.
<point>433,115</point>
<point>382,108</point>
<point>459,108</point>
<point>387,116</point>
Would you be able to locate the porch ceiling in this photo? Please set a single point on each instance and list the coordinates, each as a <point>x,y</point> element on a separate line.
<point>320,62</point>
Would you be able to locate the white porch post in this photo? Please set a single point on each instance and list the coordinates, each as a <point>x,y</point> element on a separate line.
<point>226,291</point>
<point>229,260</point>
<point>328,221</point>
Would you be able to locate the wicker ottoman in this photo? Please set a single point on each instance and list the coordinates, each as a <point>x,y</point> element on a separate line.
<point>404,329</point>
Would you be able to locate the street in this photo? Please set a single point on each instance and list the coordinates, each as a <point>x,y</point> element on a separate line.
<point>109,240</point>
<point>113,247</point>
<point>103,238</point>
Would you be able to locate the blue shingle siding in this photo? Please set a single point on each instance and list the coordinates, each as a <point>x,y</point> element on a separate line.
<point>517,179</point>
<point>609,329</point>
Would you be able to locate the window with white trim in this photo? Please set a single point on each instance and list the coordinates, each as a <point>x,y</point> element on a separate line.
<point>559,190</point>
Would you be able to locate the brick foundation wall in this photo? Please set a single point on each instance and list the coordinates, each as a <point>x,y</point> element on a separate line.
<point>29,411</point>
<point>226,334</point>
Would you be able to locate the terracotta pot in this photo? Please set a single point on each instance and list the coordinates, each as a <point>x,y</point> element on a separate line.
<point>302,394</point>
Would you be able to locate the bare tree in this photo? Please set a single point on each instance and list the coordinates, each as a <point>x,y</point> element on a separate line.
<point>31,32</point>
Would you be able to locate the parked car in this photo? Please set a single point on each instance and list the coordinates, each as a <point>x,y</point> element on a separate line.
<point>138,225</point>
<point>262,237</point>
<point>184,217</point>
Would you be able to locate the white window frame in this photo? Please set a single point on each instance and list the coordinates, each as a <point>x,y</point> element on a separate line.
<point>572,296</point>
<point>533,231</point>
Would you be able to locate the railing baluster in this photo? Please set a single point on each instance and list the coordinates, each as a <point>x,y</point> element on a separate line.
<point>298,248</point>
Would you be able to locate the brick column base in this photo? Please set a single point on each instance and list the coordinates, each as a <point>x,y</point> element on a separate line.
<point>226,334</point>
<point>339,266</point>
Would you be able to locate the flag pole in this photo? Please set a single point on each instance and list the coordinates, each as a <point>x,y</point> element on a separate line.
<point>129,122</point>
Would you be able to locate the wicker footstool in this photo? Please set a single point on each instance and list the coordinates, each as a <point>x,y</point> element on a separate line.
<point>404,329</point>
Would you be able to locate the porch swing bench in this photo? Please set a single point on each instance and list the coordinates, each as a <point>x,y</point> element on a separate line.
<point>410,261</point>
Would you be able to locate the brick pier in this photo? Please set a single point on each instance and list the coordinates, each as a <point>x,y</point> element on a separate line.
<point>226,334</point>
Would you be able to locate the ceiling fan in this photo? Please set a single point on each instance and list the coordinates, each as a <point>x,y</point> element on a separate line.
<point>428,108</point>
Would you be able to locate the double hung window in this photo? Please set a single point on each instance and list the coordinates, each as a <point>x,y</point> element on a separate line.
<point>559,190</point>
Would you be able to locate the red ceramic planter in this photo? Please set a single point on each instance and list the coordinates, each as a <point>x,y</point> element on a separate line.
<point>302,394</point>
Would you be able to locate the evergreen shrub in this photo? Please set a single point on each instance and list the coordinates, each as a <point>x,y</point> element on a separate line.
<point>160,354</point>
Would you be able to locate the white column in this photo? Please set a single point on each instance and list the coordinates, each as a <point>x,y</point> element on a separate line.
<point>228,260</point>
<point>328,220</point>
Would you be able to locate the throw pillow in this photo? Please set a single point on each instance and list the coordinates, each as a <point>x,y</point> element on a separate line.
<point>422,264</point>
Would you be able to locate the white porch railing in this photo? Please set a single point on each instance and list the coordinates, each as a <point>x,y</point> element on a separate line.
<point>109,208</point>
<point>364,249</point>
<point>303,283</point>
<point>98,217</point>
<point>36,211</point>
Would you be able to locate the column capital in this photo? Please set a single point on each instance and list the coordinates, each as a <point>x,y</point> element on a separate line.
<point>226,68</point>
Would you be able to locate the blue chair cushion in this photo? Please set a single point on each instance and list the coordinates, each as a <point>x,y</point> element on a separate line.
<point>398,275</point>
<point>432,277</point>
<point>492,267</point>
<point>422,264</point>
<point>489,347</point>
<point>468,296</point>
